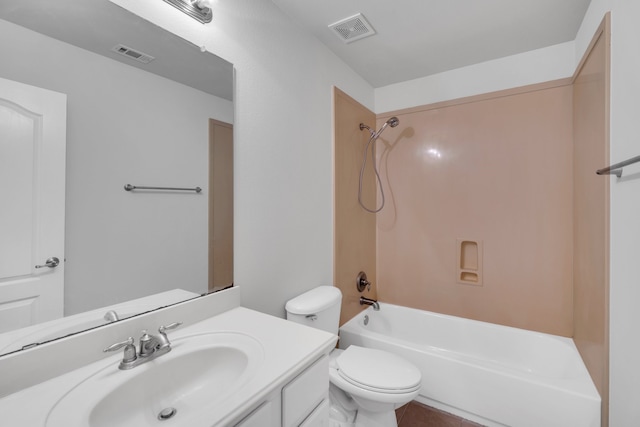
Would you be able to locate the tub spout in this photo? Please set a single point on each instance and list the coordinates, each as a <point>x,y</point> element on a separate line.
<point>371,302</point>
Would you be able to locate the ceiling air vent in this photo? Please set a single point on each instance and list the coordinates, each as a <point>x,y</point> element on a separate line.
<point>132,53</point>
<point>353,28</point>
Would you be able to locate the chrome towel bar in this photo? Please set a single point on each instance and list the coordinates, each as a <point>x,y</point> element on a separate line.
<point>616,169</point>
<point>130,187</point>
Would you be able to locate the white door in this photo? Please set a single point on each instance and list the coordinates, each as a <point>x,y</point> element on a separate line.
<point>32,194</point>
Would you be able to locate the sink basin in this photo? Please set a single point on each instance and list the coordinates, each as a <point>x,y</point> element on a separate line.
<point>200,370</point>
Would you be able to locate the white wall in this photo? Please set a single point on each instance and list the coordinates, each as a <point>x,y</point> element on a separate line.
<point>283,142</point>
<point>124,126</point>
<point>536,66</point>
<point>625,204</point>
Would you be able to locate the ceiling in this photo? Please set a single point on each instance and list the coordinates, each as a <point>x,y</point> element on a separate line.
<point>414,38</point>
<point>418,38</point>
<point>99,25</point>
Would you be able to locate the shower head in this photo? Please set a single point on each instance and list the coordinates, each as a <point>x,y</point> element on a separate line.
<point>393,122</point>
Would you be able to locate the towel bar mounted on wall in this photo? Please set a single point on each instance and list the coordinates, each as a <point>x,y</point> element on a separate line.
<point>616,169</point>
<point>130,187</point>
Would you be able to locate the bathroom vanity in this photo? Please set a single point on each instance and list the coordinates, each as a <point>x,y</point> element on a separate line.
<point>228,366</point>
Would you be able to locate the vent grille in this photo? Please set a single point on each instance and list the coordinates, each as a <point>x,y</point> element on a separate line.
<point>132,53</point>
<point>353,28</point>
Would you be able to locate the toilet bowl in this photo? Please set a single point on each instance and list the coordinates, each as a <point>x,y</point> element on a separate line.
<point>375,382</point>
<point>366,385</point>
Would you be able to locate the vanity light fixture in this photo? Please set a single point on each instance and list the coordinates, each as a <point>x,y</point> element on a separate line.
<point>199,10</point>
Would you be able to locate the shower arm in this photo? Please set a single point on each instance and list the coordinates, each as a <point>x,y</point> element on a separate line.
<point>363,127</point>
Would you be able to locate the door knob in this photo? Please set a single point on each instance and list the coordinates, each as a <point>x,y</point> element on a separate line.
<point>51,263</point>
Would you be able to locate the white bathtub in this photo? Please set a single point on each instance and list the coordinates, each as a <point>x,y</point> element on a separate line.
<point>491,374</point>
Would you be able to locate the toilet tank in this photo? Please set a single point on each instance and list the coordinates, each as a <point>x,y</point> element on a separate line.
<point>318,308</point>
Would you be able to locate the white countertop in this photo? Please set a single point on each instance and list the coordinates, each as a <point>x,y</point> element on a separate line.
<point>288,347</point>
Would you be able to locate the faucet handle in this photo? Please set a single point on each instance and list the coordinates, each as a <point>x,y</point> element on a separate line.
<point>119,345</point>
<point>129,350</point>
<point>164,329</point>
<point>163,339</point>
<point>362,282</point>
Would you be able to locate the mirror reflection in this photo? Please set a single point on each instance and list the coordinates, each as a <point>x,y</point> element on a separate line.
<point>130,104</point>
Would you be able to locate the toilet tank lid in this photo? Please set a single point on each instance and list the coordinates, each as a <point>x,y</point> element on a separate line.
<point>315,300</point>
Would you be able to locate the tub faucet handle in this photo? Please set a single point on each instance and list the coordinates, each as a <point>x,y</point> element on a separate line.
<point>362,282</point>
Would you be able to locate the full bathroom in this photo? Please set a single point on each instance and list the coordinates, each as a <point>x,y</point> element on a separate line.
<point>493,217</point>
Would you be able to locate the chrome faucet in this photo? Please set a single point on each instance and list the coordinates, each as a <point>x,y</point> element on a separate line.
<point>111,316</point>
<point>151,347</point>
<point>371,302</point>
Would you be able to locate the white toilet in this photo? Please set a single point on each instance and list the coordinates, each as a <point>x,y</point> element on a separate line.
<point>367,385</point>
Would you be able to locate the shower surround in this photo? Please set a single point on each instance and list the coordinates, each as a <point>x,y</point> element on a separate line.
<point>494,211</point>
<point>492,173</point>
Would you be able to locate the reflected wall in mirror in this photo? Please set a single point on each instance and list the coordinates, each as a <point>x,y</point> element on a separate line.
<point>157,124</point>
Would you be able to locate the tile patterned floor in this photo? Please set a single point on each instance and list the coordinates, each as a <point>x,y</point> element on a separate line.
<point>415,414</point>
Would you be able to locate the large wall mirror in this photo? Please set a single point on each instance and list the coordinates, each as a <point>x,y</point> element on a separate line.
<point>144,108</point>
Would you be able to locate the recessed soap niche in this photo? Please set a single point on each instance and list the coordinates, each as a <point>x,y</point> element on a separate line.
<point>469,262</point>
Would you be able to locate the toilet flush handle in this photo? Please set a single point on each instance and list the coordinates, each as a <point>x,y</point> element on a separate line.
<point>311,317</point>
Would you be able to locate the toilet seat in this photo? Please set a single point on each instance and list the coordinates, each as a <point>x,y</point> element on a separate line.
<point>377,371</point>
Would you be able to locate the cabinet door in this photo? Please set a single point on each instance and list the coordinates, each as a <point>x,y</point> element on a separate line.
<point>305,392</point>
<point>261,417</point>
<point>319,417</point>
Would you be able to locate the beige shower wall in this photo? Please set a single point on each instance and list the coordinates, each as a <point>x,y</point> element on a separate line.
<point>591,212</point>
<point>355,229</point>
<point>493,170</point>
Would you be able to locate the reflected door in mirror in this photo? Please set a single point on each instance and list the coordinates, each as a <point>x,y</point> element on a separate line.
<point>32,189</point>
<point>220,204</point>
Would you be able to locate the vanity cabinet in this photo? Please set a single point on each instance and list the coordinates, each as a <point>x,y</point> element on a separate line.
<point>302,402</point>
<point>283,381</point>
<point>319,417</point>
<point>304,393</point>
<point>259,417</point>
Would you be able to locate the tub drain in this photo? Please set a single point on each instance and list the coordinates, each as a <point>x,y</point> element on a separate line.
<point>167,413</point>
